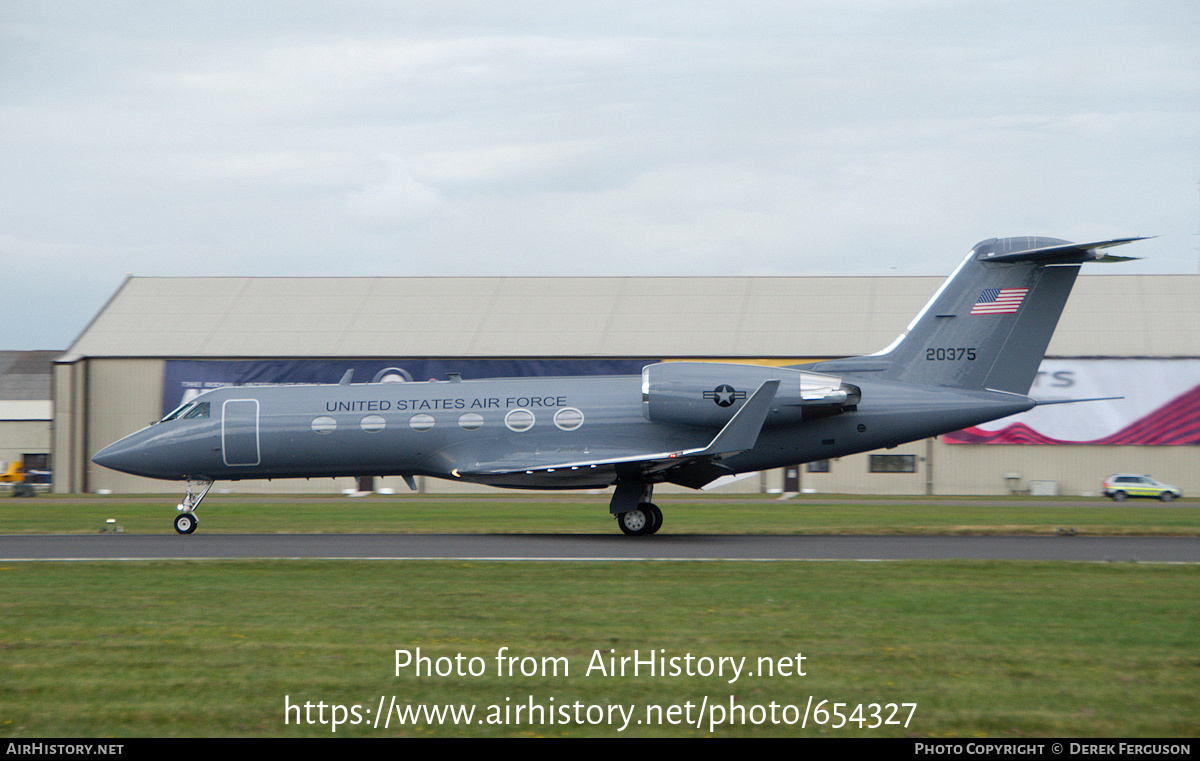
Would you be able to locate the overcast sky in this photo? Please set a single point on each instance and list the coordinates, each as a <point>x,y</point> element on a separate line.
<point>851,137</point>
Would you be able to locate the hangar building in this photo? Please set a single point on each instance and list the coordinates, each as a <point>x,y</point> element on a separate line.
<point>158,340</point>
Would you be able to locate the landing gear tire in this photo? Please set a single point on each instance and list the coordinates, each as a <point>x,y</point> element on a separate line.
<point>643,521</point>
<point>655,515</point>
<point>633,523</point>
<point>185,523</point>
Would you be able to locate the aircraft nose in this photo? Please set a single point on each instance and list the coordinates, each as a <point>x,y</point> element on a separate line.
<point>114,456</point>
<point>126,455</point>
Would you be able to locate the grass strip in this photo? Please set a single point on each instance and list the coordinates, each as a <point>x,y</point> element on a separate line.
<point>682,515</point>
<point>211,648</point>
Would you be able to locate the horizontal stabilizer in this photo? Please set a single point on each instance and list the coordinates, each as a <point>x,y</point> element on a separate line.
<point>1064,253</point>
<point>1044,402</point>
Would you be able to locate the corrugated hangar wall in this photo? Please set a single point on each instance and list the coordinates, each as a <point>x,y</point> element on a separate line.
<point>97,401</point>
<point>110,382</point>
<point>25,409</point>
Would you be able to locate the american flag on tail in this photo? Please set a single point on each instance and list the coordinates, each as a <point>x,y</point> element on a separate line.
<point>999,300</point>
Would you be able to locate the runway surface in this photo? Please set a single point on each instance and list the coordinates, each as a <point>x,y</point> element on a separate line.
<point>600,547</point>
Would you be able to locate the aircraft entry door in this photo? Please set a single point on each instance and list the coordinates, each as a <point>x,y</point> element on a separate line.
<point>239,432</point>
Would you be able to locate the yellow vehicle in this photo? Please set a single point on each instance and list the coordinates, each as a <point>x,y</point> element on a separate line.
<point>15,473</point>
<point>17,476</point>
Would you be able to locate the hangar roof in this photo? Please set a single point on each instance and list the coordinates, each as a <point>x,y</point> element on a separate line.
<point>25,385</point>
<point>670,317</point>
<point>25,375</point>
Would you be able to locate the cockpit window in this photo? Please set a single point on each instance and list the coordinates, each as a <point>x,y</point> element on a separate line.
<point>198,410</point>
<point>188,410</point>
<point>176,412</point>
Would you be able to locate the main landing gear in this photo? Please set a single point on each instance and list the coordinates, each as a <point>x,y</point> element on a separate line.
<point>185,522</point>
<point>643,520</point>
<point>636,514</point>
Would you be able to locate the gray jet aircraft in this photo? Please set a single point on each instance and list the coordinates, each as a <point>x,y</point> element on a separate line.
<point>968,357</point>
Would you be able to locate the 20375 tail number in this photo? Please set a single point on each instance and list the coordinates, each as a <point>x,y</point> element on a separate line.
<point>950,355</point>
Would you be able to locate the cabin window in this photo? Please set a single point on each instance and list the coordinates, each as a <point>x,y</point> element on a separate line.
<point>373,423</point>
<point>324,424</point>
<point>421,422</point>
<point>470,421</point>
<point>519,420</point>
<point>568,418</point>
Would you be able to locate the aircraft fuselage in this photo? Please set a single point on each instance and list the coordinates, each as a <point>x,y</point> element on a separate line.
<point>449,429</point>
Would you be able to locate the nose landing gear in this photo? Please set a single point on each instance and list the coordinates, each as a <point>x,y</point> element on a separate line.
<point>185,522</point>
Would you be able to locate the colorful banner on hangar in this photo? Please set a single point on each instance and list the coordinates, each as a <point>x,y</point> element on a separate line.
<point>1160,405</point>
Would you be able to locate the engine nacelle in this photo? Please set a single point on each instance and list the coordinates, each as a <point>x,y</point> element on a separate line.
<point>708,394</point>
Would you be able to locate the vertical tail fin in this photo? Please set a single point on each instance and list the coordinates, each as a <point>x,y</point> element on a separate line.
<point>988,326</point>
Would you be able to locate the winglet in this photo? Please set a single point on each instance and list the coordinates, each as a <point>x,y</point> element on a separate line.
<point>741,432</point>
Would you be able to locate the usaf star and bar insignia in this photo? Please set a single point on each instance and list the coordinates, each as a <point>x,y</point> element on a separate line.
<point>724,395</point>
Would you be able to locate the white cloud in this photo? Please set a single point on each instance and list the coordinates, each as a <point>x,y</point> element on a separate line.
<point>395,197</point>
<point>543,138</point>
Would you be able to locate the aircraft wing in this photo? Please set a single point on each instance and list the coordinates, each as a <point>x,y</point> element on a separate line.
<point>695,466</point>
